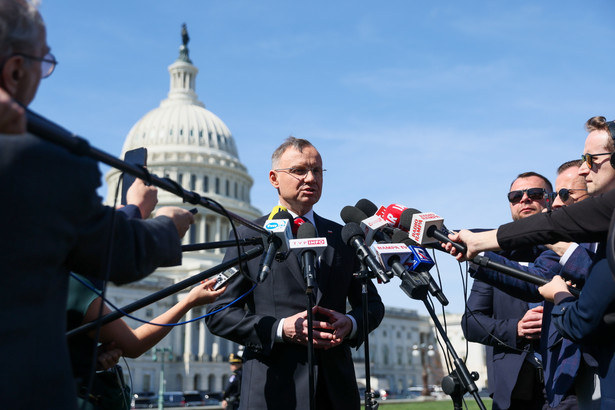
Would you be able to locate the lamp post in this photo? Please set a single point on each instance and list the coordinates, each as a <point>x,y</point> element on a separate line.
<point>424,350</point>
<point>162,351</point>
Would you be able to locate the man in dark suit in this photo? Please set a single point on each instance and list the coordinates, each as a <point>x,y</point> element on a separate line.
<point>567,376</point>
<point>271,320</point>
<point>507,325</point>
<point>579,320</point>
<point>53,222</point>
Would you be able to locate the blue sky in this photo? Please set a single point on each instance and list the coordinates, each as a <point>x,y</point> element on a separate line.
<point>433,105</point>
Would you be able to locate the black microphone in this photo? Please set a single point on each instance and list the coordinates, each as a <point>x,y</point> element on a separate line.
<point>352,234</point>
<point>374,227</point>
<point>280,227</point>
<point>308,255</point>
<point>367,206</point>
<point>428,227</point>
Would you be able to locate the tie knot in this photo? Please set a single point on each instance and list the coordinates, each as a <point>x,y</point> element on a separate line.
<point>297,223</point>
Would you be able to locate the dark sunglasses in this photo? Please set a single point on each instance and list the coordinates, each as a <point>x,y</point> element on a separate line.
<point>589,158</point>
<point>564,193</point>
<point>535,194</point>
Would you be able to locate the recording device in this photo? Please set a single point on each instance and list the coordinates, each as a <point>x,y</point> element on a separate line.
<point>310,249</point>
<point>137,156</point>
<point>423,226</point>
<point>224,277</point>
<point>374,227</point>
<point>280,229</point>
<point>353,235</point>
<point>391,213</point>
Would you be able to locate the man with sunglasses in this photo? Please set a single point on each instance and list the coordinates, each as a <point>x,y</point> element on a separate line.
<point>568,379</point>
<point>506,324</point>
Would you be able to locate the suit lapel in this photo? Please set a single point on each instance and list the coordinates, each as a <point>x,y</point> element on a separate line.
<point>326,260</point>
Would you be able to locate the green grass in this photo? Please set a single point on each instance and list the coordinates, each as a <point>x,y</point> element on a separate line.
<point>431,405</point>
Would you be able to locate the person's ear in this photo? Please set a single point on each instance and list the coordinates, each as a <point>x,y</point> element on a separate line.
<point>273,179</point>
<point>12,74</point>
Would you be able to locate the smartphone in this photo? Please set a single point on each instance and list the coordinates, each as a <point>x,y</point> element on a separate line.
<point>137,156</point>
<point>224,277</point>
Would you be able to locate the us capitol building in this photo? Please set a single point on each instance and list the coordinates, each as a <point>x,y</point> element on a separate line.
<point>192,146</point>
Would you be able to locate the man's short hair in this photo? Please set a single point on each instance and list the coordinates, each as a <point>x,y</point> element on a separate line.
<point>534,174</point>
<point>296,143</point>
<point>20,25</point>
<point>569,164</point>
<point>599,123</point>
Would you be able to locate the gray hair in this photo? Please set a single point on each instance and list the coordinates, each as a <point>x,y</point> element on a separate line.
<point>290,142</point>
<point>20,25</point>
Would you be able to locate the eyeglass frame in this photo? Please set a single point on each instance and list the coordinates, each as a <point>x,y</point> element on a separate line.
<point>588,159</point>
<point>567,193</point>
<point>48,58</point>
<point>526,191</point>
<point>290,172</point>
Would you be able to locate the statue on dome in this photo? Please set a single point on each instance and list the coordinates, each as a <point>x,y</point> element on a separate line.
<point>185,37</point>
<point>183,49</point>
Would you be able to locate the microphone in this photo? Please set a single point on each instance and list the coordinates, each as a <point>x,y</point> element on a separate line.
<point>297,223</point>
<point>281,233</point>
<point>367,206</point>
<point>354,237</point>
<point>275,210</point>
<point>396,256</point>
<point>391,213</point>
<point>426,226</point>
<point>310,248</point>
<point>374,227</point>
<point>421,264</point>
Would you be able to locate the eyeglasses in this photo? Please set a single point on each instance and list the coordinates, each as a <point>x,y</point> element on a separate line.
<point>589,158</point>
<point>564,193</point>
<point>535,194</point>
<point>301,172</point>
<point>48,62</point>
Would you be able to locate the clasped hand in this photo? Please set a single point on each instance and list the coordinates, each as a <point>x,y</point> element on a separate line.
<point>327,333</point>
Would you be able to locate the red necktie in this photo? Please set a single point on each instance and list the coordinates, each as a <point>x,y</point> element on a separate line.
<point>297,223</point>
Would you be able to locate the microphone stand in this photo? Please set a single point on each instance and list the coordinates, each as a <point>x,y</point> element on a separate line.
<point>154,297</point>
<point>309,292</point>
<point>222,244</point>
<point>460,380</point>
<point>52,132</point>
<point>365,274</point>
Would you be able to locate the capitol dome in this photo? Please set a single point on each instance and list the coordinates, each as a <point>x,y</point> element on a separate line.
<point>192,146</point>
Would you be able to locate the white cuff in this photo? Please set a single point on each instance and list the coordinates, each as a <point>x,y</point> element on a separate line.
<point>353,332</point>
<point>278,334</point>
<point>573,246</point>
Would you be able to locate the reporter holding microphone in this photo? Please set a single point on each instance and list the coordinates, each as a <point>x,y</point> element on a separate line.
<point>581,320</point>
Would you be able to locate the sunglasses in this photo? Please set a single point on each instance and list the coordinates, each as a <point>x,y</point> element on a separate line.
<point>564,193</point>
<point>535,194</point>
<point>589,158</point>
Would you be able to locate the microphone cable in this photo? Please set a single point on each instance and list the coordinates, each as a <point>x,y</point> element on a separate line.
<point>128,315</point>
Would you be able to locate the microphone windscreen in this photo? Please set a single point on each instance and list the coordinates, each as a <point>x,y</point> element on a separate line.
<point>275,210</point>
<point>284,215</point>
<point>305,231</point>
<point>405,219</point>
<point>351,230</point>
<point>352,214</point>
<point>367,206</point>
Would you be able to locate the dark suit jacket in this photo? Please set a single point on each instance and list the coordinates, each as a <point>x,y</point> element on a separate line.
<point>53,222</point>
<point>581,320</point>
<point>275,375</point>
<point>561,357</point>
<point>491,319</point>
